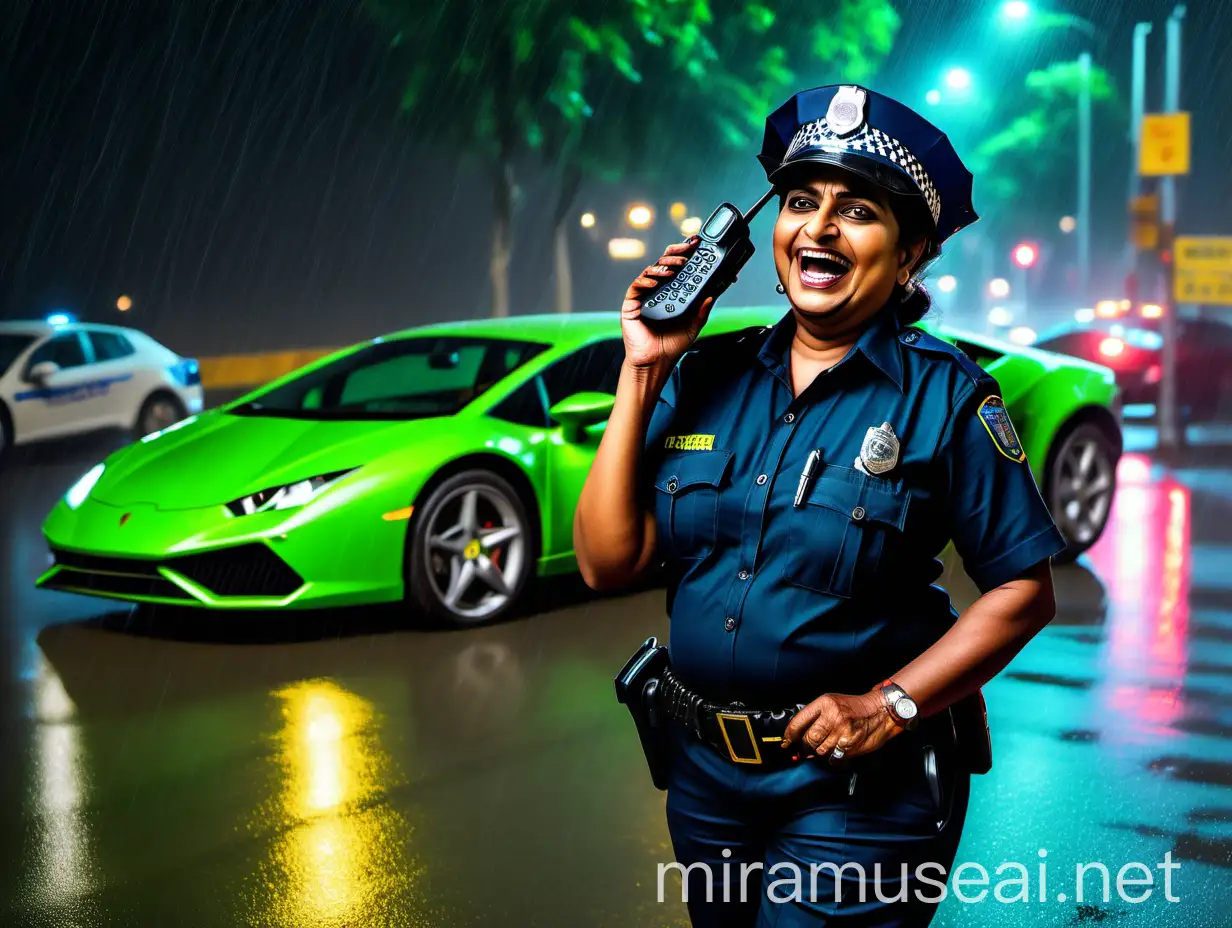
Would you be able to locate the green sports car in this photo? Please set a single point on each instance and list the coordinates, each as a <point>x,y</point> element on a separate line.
<point>443,464</point>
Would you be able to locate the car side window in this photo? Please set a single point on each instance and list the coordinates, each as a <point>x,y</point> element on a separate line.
<point>523,406</point>
<point>64,350</point>
<point>595,368</point>
<point>110,346</point>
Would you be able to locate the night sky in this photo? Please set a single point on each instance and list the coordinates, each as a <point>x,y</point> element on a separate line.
<point>240,169</point>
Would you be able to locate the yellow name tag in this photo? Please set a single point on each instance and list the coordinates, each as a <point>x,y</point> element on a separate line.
<point>689,442</point>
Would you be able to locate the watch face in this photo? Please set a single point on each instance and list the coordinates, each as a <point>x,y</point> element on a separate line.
<point>906,707</point>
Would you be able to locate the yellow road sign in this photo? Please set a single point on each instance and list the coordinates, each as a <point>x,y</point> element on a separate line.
<point>1144,222</point>
<point>1203,287</point>
<point>1203,253</point>
<point>1165,144</point>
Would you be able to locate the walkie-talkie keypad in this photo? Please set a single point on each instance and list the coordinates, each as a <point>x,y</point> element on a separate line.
<point>722,250</point>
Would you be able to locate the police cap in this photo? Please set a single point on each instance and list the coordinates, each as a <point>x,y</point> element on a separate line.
<point>876,137</point>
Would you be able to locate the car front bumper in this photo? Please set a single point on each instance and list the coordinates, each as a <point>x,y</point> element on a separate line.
<point>208,558</point>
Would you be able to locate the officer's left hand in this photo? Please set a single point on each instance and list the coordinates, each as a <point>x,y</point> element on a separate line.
<point>857,724</point>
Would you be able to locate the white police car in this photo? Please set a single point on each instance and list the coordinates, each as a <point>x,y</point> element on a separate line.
<point>62,377</point>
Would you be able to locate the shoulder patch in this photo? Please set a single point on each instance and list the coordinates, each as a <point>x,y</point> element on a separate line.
<point>917,338</point>
<point>996,419</point>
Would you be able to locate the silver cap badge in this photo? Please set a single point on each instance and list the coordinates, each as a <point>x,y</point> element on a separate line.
<point>845,115</point>
<point>879,452</point>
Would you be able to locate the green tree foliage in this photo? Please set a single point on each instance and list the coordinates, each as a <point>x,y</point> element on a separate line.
<point>1037,144</point>
<point>606,90</point>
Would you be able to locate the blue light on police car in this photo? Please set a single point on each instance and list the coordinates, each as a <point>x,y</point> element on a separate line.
<point>81,489</point>
<point>59,318</point>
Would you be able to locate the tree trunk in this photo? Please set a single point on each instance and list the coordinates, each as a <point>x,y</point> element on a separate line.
<point>502,239</point>
<point>564,272</point>
<point>564,269</point>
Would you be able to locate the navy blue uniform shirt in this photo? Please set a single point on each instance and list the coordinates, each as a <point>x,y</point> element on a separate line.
<point>774,604</point>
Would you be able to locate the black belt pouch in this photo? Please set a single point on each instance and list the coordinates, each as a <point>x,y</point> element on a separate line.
<point>636,686</point>
<point>973,741</point>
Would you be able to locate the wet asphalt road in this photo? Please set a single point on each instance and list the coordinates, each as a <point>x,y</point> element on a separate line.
<point>350,769</point>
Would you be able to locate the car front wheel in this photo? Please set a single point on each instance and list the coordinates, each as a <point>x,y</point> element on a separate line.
<point>1079,486</point>
<point>471,551</point>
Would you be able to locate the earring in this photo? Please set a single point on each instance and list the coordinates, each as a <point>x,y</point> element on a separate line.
<point>780,288</point>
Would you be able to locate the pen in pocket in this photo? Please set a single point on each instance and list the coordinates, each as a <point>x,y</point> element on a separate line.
<point>806,475</point>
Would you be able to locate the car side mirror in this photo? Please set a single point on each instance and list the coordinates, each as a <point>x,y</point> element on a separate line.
<point>42,371</point>
<point>580,410</point>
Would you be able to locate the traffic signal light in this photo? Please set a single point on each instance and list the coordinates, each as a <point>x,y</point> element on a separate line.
<point>1025,254</point>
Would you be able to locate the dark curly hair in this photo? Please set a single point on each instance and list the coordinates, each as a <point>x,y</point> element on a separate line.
<point>912,302</point>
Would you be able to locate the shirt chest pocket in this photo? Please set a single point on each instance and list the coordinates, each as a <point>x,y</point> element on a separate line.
<point>687,488</point>
<point>838,538</point>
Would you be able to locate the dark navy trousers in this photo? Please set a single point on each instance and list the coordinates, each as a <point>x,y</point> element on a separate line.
<point>726,815</point>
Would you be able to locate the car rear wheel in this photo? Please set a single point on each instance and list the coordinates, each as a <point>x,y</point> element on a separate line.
<point>472,550</point>
<point>157,412</point>
<point>1080,483</point>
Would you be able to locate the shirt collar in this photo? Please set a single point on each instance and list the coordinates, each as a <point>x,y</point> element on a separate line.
<point>878,343</point>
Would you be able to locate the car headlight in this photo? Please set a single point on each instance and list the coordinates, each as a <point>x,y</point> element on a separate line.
<point>78,492</point>
<point>286,496</point>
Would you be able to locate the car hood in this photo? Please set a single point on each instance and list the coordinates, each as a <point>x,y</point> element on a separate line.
<point>215,458</point>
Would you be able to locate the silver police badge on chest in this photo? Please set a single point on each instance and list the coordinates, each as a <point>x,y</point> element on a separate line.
<point>879,452</point>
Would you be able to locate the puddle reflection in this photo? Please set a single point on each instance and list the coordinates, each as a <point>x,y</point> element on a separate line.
<point>341,851</point>
<point>1144,558</point>
<point>64,870</point>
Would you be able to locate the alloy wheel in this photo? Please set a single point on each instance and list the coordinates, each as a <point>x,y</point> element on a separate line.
<point>1083,483</point>
<point>476,551</point>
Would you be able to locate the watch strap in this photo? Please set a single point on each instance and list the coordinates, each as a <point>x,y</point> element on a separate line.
<point>892,704</point>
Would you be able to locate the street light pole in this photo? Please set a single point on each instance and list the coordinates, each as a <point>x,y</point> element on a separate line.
<point>1170,430</point>
<point>1084,178</point>
<point>1137,107</point>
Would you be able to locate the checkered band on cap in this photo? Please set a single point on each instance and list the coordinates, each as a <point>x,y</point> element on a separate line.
<point>818,134</point>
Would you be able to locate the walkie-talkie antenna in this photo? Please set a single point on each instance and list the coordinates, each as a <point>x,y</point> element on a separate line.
<point>765,198</point>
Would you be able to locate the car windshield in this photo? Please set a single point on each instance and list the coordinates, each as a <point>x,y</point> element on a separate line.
<point>406,378</point>
<point>11,345</point>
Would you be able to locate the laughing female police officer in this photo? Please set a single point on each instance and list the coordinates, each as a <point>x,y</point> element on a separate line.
<point>800,482</point>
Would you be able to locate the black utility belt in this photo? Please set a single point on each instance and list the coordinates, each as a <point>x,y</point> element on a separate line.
<point>753,736</point>
<point>744,736</point>
<point>656,699</point>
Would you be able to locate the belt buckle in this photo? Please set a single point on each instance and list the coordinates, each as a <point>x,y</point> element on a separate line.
<point>724,718</point>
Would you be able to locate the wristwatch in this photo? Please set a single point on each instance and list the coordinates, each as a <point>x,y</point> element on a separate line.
<point>901,706</point>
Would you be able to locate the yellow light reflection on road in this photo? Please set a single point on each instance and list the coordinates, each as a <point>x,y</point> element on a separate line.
<point>338,862</point>
<point>64,862</point>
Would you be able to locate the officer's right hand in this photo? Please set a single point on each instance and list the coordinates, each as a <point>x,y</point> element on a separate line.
<point>659,343</point>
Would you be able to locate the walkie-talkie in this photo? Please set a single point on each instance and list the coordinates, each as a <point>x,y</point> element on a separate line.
<point>722,252</point>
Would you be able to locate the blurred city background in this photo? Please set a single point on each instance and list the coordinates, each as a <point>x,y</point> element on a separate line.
<point>309,174</point>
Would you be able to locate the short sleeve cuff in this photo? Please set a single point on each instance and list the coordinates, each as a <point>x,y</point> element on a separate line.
<point>1028,553</point>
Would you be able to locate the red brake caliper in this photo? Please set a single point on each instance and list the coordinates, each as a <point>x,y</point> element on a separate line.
<point>494,557</point>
